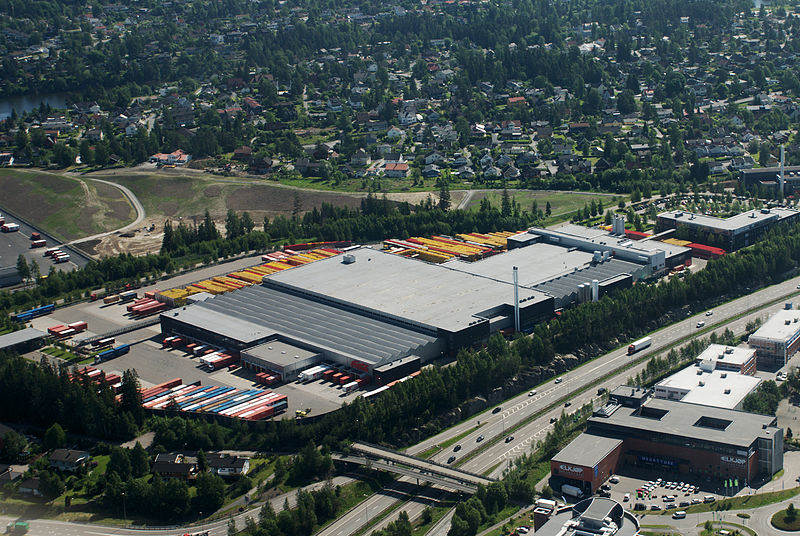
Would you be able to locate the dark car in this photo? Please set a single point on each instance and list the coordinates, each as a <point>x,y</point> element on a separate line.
<point>567,404</point>
<point>509,439</point>
<point>480,438</point>
<point>553,419</point>
<point>456,448</point>
<point>451,459</point>
<point>604,493</point>
<point>497,410</point>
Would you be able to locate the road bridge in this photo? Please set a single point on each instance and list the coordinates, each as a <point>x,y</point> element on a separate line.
<point>405,464</point>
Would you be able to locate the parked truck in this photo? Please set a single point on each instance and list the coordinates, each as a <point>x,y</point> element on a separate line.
<point>38,244</point>
<point>641,344</point>
<point>17,527</point>
<point>572,491</point>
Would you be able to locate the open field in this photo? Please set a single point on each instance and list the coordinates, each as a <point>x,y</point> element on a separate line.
<point>65,207</point>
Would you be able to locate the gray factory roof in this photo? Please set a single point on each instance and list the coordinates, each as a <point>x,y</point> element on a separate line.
<point>739,222</point>
<point>777,328</point>
<point>568,283</point>
<point>426,295</point>
<point>22,336</point>
<point>316,324</point>
<point>597,235</point>
<point>690,421</point>
<point>536,263</point>
<point>279,352</point>
<point>587,450</point>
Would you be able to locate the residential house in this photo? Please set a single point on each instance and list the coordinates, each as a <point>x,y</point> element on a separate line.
<point>260,166</point>
<point>360,158</point>
<point>175,158</point>
<point>86,107</point>
<point>131,129</point>
<point>227,465</point>
<point>243,153</point>
<point>395,133</point>
<point>30,487</point>
<point>6,159</point>
<point>430,171</point>
<point>434,158</point>
<point>486,160</point>
<point>9,473</point>
<point>95,134</point>
<point>68,459</point>
<point>398,170</point>
<point>174,465</point>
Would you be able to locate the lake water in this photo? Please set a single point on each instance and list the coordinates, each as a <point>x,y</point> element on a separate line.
<point>26,103</point>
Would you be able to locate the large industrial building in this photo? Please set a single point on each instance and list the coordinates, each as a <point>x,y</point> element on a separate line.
<point>636,430</point>
<point>778,339</point>
<point>731,233</point>
<point>367,309</point>
<point>769,177</point>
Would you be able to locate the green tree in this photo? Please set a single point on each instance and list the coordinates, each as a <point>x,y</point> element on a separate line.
<point>54,437</point>
<point>202,461</point>
<point>14,444</point>
<point>210,492</point>
<point>444,195</point>
<point>131,397</point>
<point>22,267</point>
<point>140,461</point>
<point>50,485</point>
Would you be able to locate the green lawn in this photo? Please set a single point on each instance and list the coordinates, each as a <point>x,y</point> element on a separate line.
<point>61,205</point>
<point>782,521</point>
<point>437,513</point>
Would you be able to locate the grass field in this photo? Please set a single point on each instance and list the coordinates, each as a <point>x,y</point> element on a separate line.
<point>65,207</point>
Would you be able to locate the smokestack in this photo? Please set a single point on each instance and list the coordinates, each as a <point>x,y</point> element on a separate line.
<point>595,290</point>
<point>782,181</point>
<point>516,300</point>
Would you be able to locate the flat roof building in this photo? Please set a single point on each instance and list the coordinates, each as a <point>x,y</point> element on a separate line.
<point>702,384</point>
<point>673,437</point>
<point>778,339</point>
<point>729,358</point>
<point>730,233</point>
<point>596,515</point>
<point>281,357</point>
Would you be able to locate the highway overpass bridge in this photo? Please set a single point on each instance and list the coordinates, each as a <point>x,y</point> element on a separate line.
<point>420,468</point>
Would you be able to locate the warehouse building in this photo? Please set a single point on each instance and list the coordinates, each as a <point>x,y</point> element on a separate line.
<point>778,339</point>
<point>768,176</point>
<point>730,233</point>
<point>673,437</point>
<point>361,310</point>
<point>702,384</point>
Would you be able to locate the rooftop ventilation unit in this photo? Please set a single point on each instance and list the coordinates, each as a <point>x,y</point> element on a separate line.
<point>727,391</point>
<point>348,259</point>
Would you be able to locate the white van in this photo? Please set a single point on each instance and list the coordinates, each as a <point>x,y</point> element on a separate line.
<point>680,514</point>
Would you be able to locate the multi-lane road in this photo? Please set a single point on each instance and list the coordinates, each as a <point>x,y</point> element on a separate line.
<point>534,411</point>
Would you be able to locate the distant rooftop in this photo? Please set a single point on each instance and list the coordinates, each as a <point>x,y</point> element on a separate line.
<point>283,353</point>
<point>19,337</point>
<point>781,326</point>
<point>593,516</point>
<point>739,222</point>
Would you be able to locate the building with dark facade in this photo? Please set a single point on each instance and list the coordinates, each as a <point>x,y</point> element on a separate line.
<point>669,436</point>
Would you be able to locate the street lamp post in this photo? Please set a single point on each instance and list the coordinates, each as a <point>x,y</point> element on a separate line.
<point>124,509</point>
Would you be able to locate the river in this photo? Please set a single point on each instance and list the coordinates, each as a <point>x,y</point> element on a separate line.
<point>26,103</point>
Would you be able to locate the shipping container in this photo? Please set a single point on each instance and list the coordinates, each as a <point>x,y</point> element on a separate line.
<point>166,342</point>
<point>56,329</point>
<point>36,236</point>
<point>78,326</point>
<point>9,227</point>
<point>350,387</point>
<point>38,244</point>
<point>128,295</point>
<point>64,258</point>
<point>114,298</point>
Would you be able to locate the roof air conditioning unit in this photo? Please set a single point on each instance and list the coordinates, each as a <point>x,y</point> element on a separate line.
<point>702,384</point>
<point>723,375</point>
<point>727,391</point>
<point>349,259</point>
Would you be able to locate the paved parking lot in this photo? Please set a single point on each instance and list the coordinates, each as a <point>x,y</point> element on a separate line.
<point>16,243</point>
